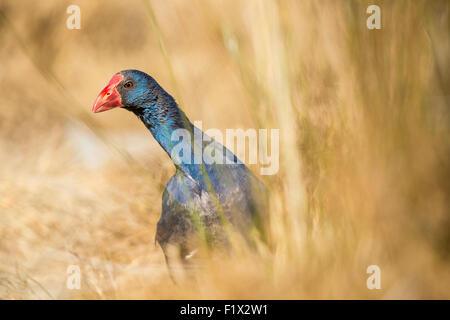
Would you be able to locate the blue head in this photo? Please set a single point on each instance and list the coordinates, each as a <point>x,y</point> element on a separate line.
<point>129,89</point>
<point>138,92</point>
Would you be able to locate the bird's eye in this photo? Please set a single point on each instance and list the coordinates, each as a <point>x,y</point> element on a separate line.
<point>128,84</point>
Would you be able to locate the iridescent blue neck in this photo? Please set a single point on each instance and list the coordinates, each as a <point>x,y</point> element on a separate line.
<point>174,132</point>
<point>163,117</point>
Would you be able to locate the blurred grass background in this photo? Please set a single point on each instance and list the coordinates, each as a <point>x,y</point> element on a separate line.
<point>364,144</point>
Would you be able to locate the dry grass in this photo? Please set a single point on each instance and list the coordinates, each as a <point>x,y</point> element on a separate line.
<point>364,144</point>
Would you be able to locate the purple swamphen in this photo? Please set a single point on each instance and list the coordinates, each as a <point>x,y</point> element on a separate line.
<point>202,197</point>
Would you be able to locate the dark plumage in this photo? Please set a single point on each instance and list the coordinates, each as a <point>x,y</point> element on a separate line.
<point>200,197</point>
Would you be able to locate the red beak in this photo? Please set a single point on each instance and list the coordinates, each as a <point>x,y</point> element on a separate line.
<point>109,97</point>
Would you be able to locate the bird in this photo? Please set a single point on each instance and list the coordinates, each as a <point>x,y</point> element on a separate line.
<point>204,199</point>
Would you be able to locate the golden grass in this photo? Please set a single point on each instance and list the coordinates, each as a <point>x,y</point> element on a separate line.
<point>364,145</point>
